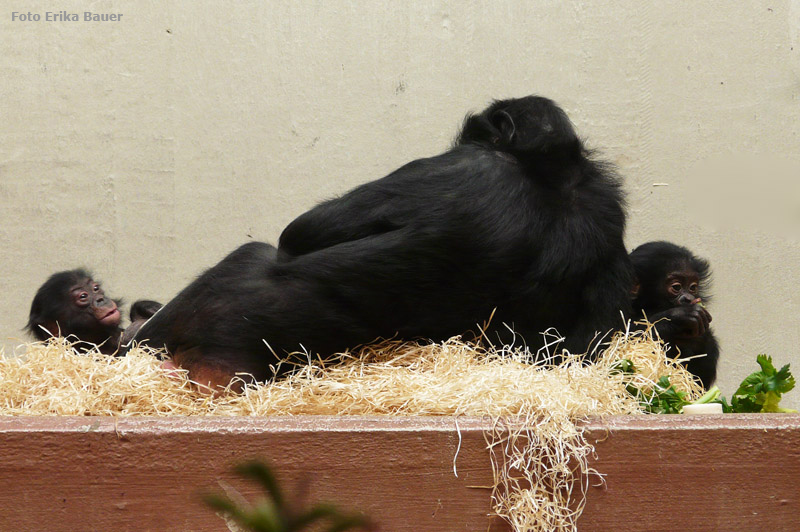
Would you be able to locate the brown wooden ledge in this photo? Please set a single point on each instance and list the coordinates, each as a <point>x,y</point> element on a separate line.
<point>663,473</point>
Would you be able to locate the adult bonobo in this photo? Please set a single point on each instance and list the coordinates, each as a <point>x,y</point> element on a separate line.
<point>671,286</point>
<point>72,303</point>
<point>515,217</point>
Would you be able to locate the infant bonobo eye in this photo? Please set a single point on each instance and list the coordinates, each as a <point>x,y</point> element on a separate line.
<point>675,289</point>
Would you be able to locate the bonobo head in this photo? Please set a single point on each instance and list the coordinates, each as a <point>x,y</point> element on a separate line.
<point>668,276</point>
<point>71,303</point>
<point>530,128</point>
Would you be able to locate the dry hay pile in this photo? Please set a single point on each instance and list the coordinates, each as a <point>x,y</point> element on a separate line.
<point>538,450</point>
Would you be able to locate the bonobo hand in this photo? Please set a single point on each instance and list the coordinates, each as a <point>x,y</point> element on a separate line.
<point>688,321</point>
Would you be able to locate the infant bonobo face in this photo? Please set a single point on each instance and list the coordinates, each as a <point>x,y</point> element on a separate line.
<point>72,303</point>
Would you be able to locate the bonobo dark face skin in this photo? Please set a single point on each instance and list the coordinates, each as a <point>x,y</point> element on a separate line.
<point>516,219</point>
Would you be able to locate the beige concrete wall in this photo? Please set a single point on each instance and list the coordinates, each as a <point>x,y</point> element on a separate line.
<point>148,148</point>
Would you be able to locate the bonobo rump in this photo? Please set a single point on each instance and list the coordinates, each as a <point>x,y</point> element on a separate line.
<point>516,218</point>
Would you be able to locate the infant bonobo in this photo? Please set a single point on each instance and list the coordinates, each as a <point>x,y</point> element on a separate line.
<point>671,292</point>
<point>71,303</point>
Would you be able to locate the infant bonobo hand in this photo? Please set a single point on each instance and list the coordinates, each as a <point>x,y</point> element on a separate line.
<point>689,321</point>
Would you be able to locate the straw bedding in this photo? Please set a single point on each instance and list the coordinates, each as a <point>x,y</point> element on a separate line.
<point>537,448</point>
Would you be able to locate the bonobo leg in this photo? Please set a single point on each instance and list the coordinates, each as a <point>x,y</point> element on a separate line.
<point>197,315</point>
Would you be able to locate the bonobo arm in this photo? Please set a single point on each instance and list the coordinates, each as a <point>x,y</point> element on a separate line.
<point>141,311</point>
<point>705,367</point>
<point>333,223</point>
<point>604,307</point>
<point>388,204</point>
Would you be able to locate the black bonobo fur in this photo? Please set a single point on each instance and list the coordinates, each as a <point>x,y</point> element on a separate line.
<point>672,286</point>
<point>516,216</point>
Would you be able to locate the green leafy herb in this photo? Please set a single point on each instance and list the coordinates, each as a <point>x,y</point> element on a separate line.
<point>761,391</point>
<point>663,398</point>
<point>276,513</point>
<point>624,366</point>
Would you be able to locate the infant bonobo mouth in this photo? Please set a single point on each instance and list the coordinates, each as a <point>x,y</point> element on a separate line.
<point>111,317</point>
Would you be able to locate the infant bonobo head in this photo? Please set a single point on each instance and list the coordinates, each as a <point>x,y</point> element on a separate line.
<point>529,128</point>
<point>71,303</point>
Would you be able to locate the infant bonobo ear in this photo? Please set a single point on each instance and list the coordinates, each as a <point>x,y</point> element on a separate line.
<point>478,129</point>
<point>494,127</point>
<point>531,128</point>
<point>505,126</point>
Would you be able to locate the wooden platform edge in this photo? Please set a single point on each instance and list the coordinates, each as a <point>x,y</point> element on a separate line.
<point>659,473</point>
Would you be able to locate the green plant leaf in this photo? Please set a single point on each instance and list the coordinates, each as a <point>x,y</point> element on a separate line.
<point>264,476</point>
<point>316,513</point>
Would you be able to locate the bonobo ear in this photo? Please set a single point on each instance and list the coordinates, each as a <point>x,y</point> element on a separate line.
<point>42,330</point>
<point>479,129</point>
<point>52,327</point>
<point>505,125</point>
